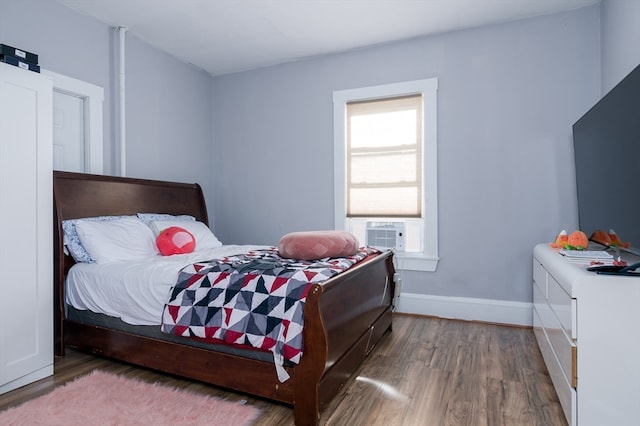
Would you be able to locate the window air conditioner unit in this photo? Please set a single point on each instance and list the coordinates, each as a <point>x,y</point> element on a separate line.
<point>386,235</point>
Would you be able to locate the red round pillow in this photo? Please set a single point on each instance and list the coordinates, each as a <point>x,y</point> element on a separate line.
<point>311,245</point>
<point>175,240</point>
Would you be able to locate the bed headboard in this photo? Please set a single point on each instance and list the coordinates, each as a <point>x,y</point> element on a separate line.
<point>78,195</point>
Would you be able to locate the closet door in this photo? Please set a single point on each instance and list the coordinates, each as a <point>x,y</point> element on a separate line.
<point>26,218</point>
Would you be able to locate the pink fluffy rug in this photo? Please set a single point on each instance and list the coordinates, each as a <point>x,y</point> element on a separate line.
<point>101,398</point>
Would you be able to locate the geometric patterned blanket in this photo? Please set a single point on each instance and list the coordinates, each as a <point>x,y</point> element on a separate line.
<point>255,299</point>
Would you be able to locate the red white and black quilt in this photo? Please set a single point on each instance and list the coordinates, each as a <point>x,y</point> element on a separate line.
<point>255,299</point>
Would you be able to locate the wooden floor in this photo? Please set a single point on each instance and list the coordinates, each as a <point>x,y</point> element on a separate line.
<point>428,371</point>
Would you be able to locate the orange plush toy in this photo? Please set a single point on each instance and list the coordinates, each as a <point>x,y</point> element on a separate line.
<point>561,240</point>
<point>577,240</point>
<point>600,236</point>
<point>615,241</point>
<point>609,239</point>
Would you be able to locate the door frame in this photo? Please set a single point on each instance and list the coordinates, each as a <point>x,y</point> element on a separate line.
<point>93,97</point>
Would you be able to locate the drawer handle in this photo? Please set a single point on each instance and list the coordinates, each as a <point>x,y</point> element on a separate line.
<point>574,366</point>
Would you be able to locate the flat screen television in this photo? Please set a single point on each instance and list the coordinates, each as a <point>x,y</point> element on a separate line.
<point>606,144</point>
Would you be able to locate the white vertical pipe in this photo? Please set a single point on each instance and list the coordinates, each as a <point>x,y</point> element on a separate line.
<point>121,78</point>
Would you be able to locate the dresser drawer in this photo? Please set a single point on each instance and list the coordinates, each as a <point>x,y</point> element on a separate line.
<point>560,303</point>
<point>560,342</point>
<point>540,277</point>
<point>566,393</point>
<point>540,302</point>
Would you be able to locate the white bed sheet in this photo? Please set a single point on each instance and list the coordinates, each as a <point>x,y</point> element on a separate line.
<point>135,291</point>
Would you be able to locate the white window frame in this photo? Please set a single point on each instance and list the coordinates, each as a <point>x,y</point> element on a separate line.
<point>93,97</point>
<point>427,260</point>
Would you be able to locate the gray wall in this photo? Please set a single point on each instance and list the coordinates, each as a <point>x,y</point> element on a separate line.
<point>168,106</point>
<point>620,40</point>
<point>508,95</point>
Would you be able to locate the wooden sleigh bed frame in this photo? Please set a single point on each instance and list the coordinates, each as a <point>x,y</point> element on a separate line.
<point>344,317</point>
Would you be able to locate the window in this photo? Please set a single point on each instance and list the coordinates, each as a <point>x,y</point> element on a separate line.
<point>384,157</point>
<point>386,166</point>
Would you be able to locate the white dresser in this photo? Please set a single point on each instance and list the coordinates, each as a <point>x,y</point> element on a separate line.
<point>26,228</point>
<point>588,329</point>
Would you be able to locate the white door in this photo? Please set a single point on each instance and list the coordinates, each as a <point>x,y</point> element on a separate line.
<point>77,124</point>
<point>68,132</point>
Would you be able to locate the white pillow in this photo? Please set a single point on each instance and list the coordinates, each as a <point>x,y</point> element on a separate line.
<point>121,239</point>
<point>72,241</point>
<point>201,232</point>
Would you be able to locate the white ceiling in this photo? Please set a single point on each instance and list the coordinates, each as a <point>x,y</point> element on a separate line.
<point>224,36</point>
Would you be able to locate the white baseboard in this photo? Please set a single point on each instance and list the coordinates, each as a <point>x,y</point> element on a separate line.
<point>466,308</point>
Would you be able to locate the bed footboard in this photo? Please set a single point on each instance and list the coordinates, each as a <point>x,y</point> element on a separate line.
<point>344,319</point>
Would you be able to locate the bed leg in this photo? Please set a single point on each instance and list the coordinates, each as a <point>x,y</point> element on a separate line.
<point>58,336</point>
<point>306,413</point>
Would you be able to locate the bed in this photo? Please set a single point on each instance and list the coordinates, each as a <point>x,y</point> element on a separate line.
<point>344,317</point>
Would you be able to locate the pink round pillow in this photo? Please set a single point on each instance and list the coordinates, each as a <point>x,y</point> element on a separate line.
<point>175,240</point>
<point>311,245</point>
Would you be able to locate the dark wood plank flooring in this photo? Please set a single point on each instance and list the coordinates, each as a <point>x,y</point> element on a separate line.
<point>428,371</point>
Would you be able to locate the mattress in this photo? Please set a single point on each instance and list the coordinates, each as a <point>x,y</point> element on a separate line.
<point>134,291</point>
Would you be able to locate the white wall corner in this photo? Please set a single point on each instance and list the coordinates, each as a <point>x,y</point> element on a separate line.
<point>468,309</point>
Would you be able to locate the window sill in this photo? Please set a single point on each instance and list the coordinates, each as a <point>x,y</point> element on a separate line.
<point>415,262</point>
